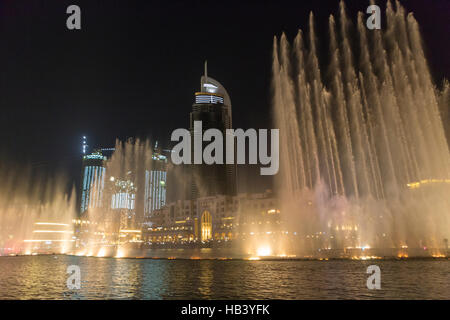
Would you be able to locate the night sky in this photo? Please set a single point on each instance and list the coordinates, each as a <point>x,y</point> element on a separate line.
<point>134,67</point>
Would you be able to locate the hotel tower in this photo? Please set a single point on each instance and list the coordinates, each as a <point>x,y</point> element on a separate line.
<point>213,107</point>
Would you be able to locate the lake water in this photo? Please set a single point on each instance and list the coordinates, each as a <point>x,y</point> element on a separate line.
<point>44,277</point>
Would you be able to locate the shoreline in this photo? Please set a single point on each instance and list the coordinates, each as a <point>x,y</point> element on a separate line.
<point>268,258</point>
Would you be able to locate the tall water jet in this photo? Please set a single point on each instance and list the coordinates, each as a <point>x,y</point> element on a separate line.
<point>113,227</point>
<point>36,214</point>
<point>365,161</point>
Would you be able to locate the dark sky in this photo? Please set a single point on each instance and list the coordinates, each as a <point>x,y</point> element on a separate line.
<point>134,67</point>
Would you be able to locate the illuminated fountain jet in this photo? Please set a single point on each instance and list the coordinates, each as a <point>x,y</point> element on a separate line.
<point>365,159</point>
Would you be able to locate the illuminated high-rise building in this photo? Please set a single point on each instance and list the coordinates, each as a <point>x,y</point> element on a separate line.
<point>93,180</point>
<point>123,201</point>
<point>155,183</point>
<point>213,108</point>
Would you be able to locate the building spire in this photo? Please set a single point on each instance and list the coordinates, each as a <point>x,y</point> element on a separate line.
<point>206,70</point>
<point>84,145</point>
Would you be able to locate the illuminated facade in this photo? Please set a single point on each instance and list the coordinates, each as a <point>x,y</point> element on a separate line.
<point>213,108</point>
<point>93,181</point>
<point>123,202</point>
<point>50,237</point>
<point>216,218</point>
<point>155,184</point>
<point>206,226</point>
<point>125,195</point>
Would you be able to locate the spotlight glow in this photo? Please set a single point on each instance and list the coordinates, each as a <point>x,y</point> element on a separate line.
<point>264,251</point>
<point>120,253</point>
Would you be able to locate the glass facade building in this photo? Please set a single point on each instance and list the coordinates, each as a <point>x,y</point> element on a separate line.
<point>93,181</point>
<point>155,184</point>
<point>213,108</point>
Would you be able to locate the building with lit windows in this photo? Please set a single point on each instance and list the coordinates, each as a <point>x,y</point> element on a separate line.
<point>93,180</point>
<point>207,208</point>
<point>155,183</point>
<point>50,237</point>
<point>215,218</point>
<point>213,108</point>
<point>123,202</point>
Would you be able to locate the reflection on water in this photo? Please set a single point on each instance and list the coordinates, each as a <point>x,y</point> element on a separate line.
<point>44,277</point>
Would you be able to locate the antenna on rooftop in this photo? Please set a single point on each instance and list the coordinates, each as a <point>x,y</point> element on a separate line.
<point>84,145</point>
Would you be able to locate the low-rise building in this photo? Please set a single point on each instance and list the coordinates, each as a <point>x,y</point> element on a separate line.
<point>214,218</point>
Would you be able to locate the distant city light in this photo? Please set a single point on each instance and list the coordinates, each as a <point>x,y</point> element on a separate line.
<point>51,231</point>
<point>57,240</point>
<point>52,224</point>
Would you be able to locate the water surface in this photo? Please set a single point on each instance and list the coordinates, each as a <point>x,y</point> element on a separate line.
<point>44,277</point>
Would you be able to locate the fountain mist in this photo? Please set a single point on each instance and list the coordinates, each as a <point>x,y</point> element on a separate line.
<point>35,214</point>
<point>366,162</point>
<point>113,228</point>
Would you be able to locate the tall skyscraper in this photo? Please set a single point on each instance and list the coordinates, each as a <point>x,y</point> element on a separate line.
<point>155,183</point>
<point>93,180</point>
<point>213,107</point>
<point>123,201</point>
